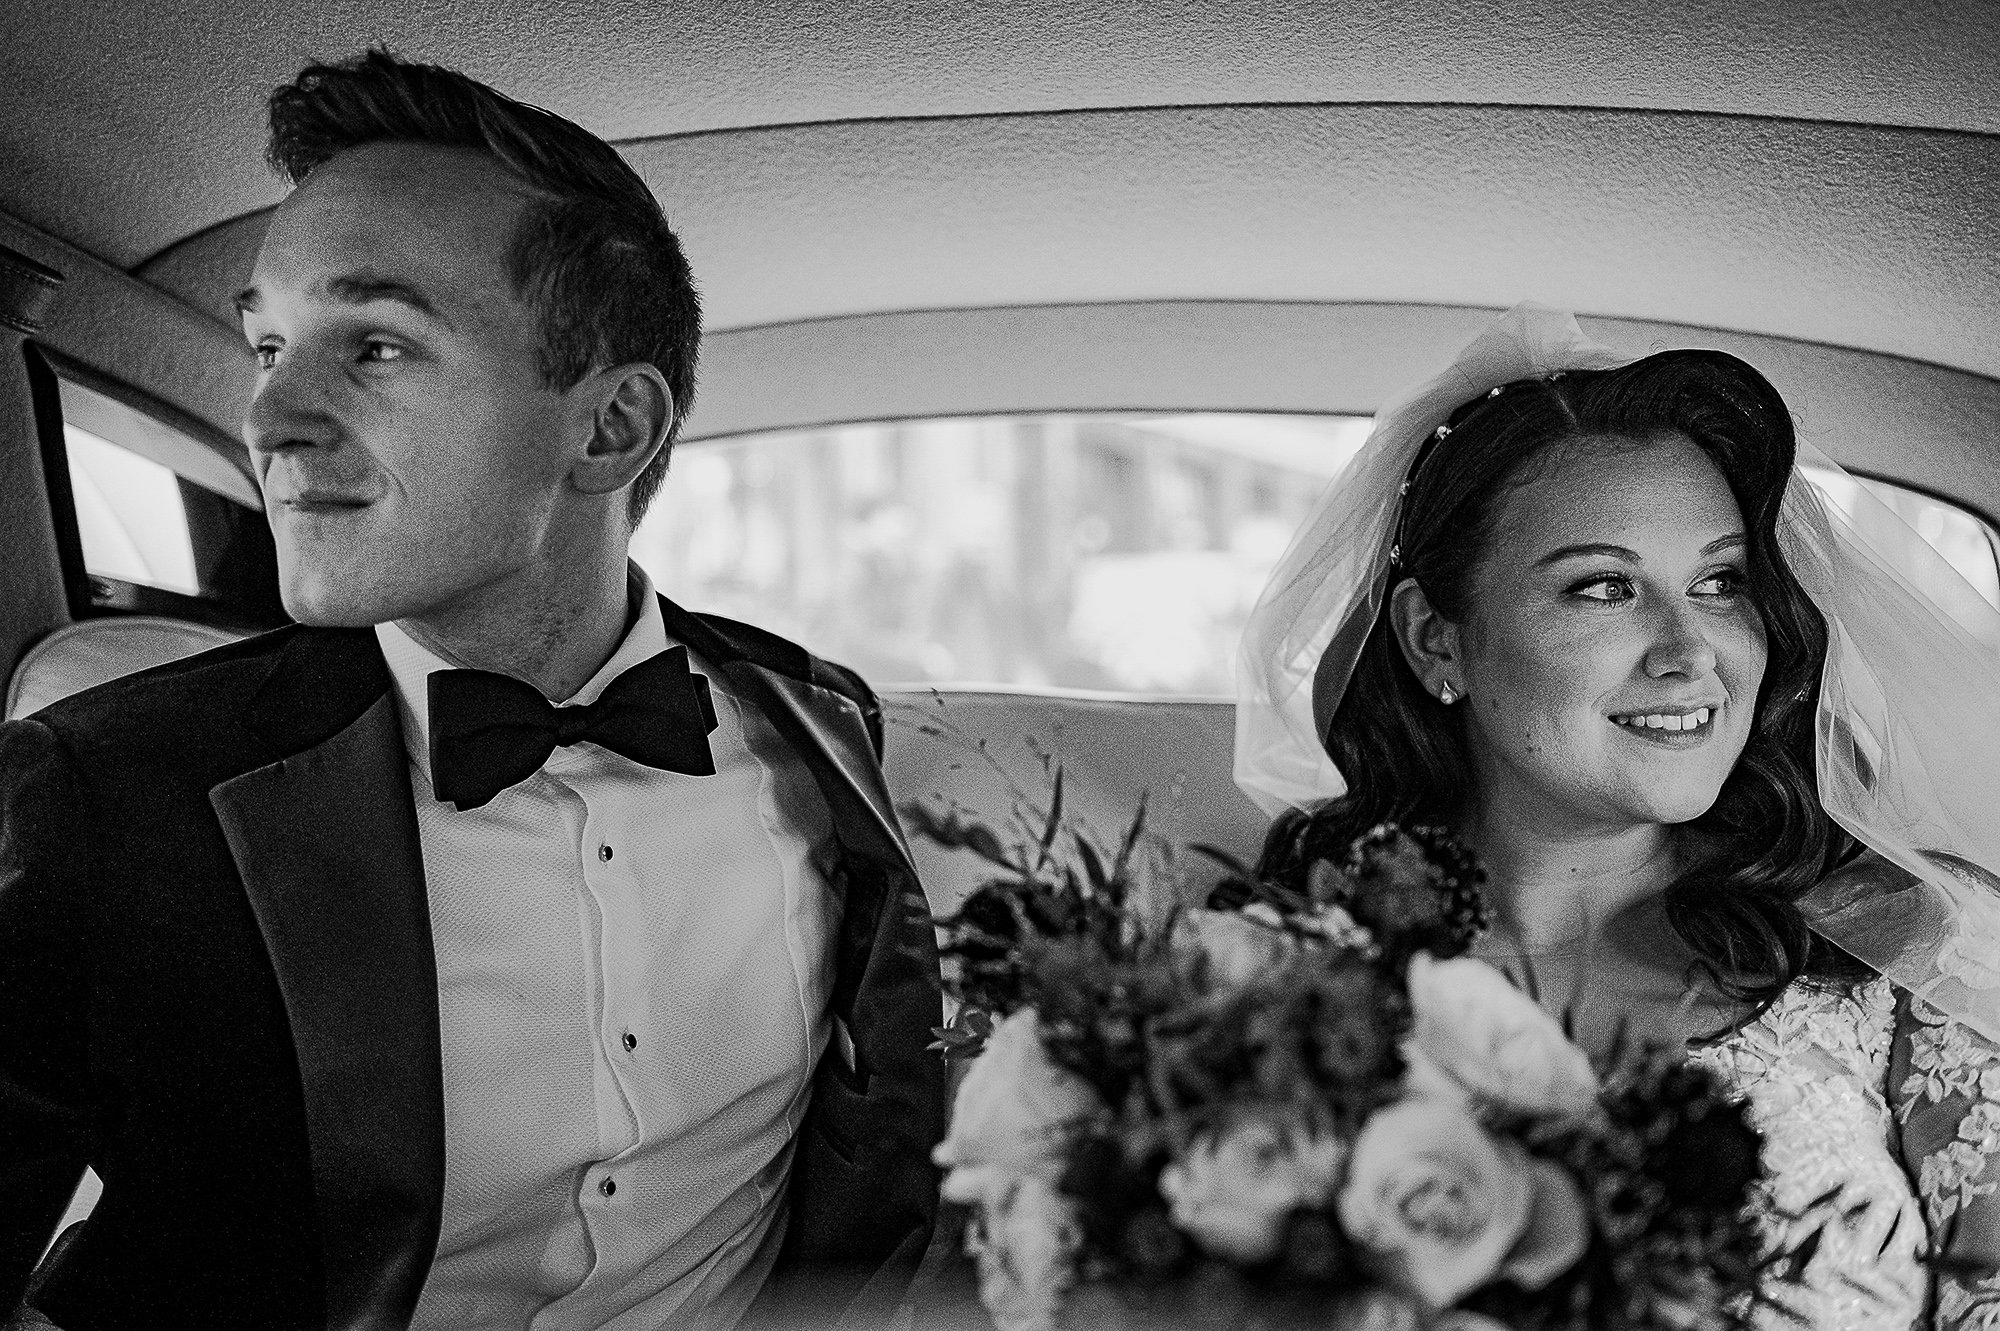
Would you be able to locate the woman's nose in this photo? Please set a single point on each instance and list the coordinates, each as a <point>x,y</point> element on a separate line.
<point>1680,644</point>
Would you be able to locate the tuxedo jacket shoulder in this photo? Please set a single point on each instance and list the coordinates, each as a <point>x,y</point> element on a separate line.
<point>787,658</point>
<point>216,988</point>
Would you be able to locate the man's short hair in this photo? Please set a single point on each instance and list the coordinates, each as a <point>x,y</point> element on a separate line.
<point>594,255</point>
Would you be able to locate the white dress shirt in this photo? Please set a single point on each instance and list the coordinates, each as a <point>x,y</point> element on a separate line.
<point>633,968</point>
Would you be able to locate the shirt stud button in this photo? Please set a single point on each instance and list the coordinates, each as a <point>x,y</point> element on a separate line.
<point>608,1187</point>
<point>631,1041</point>
<point>604,852</point>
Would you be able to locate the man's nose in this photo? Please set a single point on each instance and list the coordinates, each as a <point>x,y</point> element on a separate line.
<point>290,408</point>
<point>1680,644</point>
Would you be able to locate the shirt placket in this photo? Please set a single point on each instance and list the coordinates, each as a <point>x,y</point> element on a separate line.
<point>614,955</point>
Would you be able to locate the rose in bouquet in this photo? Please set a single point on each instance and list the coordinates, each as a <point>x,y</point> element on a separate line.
<point>1311,1108</point>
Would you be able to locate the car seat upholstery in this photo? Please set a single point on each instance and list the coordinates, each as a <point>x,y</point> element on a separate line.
<point>984,751</point>
<point>977,750</point>
<point>95,651</point>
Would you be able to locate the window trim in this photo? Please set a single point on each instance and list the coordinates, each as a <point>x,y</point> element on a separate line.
<point>92,595</point>
<point>216,461</point>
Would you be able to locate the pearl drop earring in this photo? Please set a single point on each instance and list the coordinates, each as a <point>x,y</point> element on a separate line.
<point>1447,695</point>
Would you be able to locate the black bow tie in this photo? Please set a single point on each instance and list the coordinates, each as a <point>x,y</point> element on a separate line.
<point>490,731</point>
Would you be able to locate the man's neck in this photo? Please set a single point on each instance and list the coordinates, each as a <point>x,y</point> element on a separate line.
<point>554,630</point>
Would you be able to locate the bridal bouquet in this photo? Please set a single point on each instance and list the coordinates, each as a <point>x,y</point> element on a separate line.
<point>1313,1110</point>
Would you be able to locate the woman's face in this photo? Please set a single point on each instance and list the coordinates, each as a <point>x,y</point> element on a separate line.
<point>1610,658</point>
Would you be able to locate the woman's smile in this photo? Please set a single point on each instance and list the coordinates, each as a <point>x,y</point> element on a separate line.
<point>1684,728</point>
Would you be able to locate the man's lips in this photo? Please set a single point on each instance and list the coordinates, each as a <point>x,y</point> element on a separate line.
<point>314,501</point>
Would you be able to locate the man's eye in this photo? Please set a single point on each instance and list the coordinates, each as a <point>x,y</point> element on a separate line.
<point>1611,587</point>
<point>375,349</point>
<point>267,354</point>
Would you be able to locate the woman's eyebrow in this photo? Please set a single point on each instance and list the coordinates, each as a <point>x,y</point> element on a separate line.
<point>1593,549</point>
<point>1600,549</point>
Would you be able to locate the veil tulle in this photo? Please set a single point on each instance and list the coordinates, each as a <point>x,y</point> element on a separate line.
<point>1908,749</point>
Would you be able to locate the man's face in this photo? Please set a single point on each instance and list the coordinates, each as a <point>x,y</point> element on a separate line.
<point>410,456</point>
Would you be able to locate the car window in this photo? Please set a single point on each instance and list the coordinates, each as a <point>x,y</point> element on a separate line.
<point>164,523</point>
<point>1969,544</point>
<point>1119,553</point>
<point>129,514</point>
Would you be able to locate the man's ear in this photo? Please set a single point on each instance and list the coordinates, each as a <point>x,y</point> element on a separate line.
<point>1429,640</point>
<point>625,414</point>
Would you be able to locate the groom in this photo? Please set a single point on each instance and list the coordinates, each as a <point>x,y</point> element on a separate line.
<point>379,991</point>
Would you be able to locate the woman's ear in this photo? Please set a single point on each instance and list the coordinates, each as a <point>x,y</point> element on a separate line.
<point>624,415</point>
<point>1429,641</point>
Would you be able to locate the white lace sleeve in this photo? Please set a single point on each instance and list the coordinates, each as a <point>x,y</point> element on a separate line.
<point>1945,1082</point>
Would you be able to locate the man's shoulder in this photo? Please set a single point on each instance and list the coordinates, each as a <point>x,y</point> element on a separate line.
<point>177,693</point>
<point>245,702</point>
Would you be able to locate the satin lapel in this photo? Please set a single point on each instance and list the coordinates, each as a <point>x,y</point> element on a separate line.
<point>823,727</point>
<point>326,843</point>
<point>828,731</point>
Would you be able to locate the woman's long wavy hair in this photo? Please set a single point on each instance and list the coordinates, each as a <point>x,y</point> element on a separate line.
<point>1766,840</point>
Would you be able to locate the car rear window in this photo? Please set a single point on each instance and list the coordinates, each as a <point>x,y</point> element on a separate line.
<point>1968,543</point>
<point>1117,553</point>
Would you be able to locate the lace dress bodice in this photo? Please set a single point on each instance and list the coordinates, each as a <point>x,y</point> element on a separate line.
<point>1814,1067</point>
<point>1879,1120</point>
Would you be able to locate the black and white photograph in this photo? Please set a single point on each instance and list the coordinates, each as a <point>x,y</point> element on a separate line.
<point>1081,665</point>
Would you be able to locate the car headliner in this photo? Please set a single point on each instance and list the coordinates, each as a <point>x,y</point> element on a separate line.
<point>900,209</point>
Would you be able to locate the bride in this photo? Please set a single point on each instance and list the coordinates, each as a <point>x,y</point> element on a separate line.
<point>1726,751</point>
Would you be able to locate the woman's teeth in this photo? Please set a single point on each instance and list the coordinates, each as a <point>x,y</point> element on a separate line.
<point>1666,720</point>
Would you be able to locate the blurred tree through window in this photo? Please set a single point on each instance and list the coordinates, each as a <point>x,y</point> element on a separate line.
<point>1116,553</point>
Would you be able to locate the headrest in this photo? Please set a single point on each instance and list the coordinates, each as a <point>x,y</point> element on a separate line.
<point>95,651</point>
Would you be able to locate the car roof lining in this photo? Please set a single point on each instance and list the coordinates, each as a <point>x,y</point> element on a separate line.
<point>1724,222</point>
<point>112,108</point>
<point>1196,206</point>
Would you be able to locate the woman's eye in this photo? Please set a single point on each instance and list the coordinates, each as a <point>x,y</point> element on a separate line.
<point>1726,582</point>
<point>374,349</point>
<point>267,354</point>
<point>1608,588</point>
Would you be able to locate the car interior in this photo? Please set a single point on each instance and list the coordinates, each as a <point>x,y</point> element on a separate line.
<point>1032,331</point>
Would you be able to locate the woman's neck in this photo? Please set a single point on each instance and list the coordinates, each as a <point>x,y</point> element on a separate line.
<point>1554,888</point>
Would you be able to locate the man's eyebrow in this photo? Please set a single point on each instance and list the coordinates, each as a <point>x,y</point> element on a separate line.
<point>364,288</point>
<point>1599,548</point>
<point>356,289</point>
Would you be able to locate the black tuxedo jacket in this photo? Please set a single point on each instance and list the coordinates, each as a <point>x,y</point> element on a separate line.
<point>217,988</point>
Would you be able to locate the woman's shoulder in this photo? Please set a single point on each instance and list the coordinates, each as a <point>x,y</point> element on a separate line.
<point>1850,1024</point>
